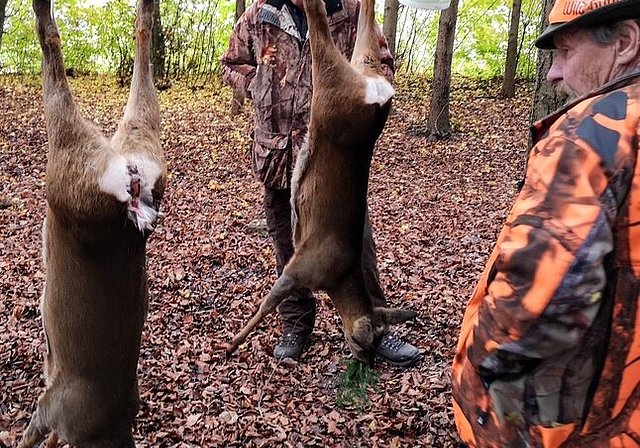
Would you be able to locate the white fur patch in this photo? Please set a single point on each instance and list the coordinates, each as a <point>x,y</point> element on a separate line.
<point>118,178</point>
<point>45,252</point>
<point>300,167</point>
<point>378,90</point>
<point>145,216</point>
<point>115,179</point>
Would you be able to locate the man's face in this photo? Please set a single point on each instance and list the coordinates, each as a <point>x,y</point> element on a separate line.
<point>580,64</point>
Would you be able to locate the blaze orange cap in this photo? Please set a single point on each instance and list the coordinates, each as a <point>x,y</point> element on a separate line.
<point>583,13</point>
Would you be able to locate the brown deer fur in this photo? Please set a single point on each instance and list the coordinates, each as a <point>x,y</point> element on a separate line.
<point>102,202</point>
<point>350,105</point>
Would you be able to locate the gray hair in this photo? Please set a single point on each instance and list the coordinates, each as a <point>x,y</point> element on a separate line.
<point>606,33</point>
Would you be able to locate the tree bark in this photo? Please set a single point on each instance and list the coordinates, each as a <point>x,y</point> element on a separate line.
<point>438,121</point>
<point>238,100</point>
<point>511,64</point>
<point>545,98</point>
<point>390,25</point>
<point>157,44</point>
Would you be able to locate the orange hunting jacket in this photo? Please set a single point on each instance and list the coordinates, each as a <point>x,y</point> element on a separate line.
<point>549,350</point>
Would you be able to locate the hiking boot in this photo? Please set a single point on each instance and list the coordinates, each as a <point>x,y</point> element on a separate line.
<point>291,346</point>
<point>395,351</point>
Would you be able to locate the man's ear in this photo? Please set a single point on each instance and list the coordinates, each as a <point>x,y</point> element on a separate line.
<point>629,41</point>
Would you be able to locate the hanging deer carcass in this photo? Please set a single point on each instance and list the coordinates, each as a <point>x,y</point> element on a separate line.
<point>350,105</point>
<point>102,203</point>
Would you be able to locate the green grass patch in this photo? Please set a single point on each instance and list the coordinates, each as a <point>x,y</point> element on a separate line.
<point>353,384</point>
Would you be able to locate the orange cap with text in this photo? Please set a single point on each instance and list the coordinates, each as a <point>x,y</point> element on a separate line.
<point>574,13</point>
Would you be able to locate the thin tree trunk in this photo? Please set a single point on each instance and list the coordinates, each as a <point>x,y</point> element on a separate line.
<point>390,25</point>
<point>238,99</point>
<point>509,81</point>
<point>158,44</point>
<point>545,98</point>
<point>3,16</point>
<point>438,121</point>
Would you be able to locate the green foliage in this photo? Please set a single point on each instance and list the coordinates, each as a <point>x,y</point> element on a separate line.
<point>20,52</point>
<point>481,38</point>
<point>353,384</point>
<point>114,26</point>
<point>416,39</point>
<point>482,33</point>
<point>97,36</point>
<point>94,38</point>
<point>196,35</point>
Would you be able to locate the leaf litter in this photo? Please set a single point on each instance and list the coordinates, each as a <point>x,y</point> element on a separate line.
<point>436,209</point>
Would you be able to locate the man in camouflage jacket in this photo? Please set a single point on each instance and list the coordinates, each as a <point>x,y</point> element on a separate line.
<point>549,350</point>
<point>269,61</point>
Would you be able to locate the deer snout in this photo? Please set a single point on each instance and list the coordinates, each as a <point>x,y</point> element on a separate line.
<point>363,339</point>
<point>366,332</point>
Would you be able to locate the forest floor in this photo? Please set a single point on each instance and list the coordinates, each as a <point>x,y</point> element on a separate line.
<point>436,209</point>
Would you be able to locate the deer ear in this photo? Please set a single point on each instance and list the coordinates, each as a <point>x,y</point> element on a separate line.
<point>392,316</point>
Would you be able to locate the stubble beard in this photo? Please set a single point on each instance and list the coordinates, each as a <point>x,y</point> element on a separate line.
<point>565,93</point>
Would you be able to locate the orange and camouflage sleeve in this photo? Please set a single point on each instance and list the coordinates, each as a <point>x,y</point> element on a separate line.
<point>537,336</point>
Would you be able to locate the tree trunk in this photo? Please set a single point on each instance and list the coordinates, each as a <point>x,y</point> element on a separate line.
<point>238,99</point>
<point>157,44</point>
<point>3,16</point>
<point>509,81</point>
<point>438,121</point>
<point>390,25</point>
<point>545,98</point>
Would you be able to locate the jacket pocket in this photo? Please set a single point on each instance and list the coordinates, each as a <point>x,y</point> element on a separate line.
<point>271,158</point>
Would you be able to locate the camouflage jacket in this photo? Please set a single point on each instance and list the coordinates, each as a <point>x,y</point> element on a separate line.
<point>269,60</point>
<point>549,350</point>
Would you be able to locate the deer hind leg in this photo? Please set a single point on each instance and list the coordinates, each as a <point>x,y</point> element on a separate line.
<point>319,33</point>
<point>53,73</point>
<point>366,57</point>
<point>283,288</point>
<point>138,134</point>
<point>60,108</point>
<point>142,106</point>
<point>330,68</point>
<point>366,52</point>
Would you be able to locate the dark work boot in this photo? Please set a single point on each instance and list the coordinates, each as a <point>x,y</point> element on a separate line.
<point>298,314</point>
<point>395,351</point>
<point>291,345</point>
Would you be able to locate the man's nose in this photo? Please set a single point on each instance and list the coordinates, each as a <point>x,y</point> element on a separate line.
<point>554,75</point>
